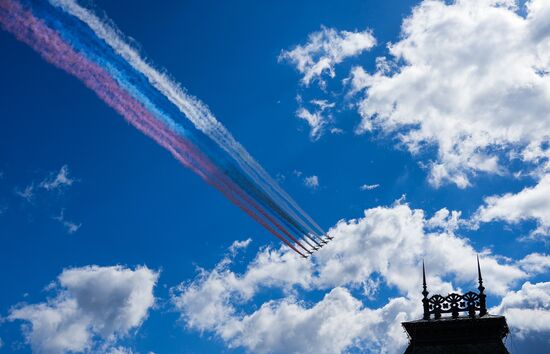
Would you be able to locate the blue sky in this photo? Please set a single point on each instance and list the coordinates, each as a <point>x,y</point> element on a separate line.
<point>448,127</point>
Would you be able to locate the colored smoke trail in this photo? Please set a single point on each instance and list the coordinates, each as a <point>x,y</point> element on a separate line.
<point>192,108</point>
<point>75,40</point>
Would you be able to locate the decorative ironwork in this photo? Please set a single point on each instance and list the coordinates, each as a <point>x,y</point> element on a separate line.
<point>453,303</point>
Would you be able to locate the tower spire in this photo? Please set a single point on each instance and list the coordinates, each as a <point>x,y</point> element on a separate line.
<point>481,288</point>
<point>425,293</point>
<point>480,279</point>
<point>423,275</point>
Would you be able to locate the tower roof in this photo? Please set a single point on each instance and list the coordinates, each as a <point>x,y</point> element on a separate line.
<point>444,330</point>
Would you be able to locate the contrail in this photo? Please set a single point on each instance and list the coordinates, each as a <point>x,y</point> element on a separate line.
<point>192,108</point>
<point>73,39</point>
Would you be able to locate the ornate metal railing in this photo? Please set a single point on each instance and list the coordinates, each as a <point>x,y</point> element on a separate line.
<point>471,302</point>
<point>454,304</point>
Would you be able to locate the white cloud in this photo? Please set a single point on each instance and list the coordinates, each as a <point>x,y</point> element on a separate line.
<point>70,226</point>
<point>530,203</point>
<point>91,302</point>
<point>27,193</point>
<point>385,246</point>
<point>237,245</point>
<point>358,80</point>
<point>323,104</point>
<point>312,182</point>
<point>469,77</point>
<point>535,263</point>
<point>318,119</point>
<point>54,181</point>
<point>57,180</point>
<point>119,350</point>
<point>445,219</point>
<point>315,120</point>
<point>324,50</point>
<point>331,325</point>
<point>528,309</point>
<point>368,187</point>
<point>205,302</point>
<point>392,240</point>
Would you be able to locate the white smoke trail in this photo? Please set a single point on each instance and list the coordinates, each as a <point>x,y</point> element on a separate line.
<point>191,107</point>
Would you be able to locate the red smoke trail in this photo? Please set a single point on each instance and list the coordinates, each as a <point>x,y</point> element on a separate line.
<point>198,114</point>
<point>255,205</point>
<point>53,49</point>
<point>232,198</point>
<point>219,180</point>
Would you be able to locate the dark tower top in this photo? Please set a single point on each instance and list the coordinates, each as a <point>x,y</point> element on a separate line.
<point>456,323</point>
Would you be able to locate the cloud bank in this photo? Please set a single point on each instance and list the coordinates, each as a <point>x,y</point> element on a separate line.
<point>92,308</point>
<point>470,78</point>
<point>381,249</point>
<point>532,203</point>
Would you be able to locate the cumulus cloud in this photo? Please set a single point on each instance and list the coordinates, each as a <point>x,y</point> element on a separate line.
<point>312,182</point>
<point>530,203</point>
<point>93,306</point>
<point>205,303</point>
<point>381,247</point>
<point>535,263</point>
<point>331,325</point>
<point>469,77</point>
<point>528,309</point>
<point>288,324</point>
<point>392,240</point>
<point>445,219</point>
<point>324,50</point>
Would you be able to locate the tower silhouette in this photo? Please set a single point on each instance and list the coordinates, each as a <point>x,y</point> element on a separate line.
<point>443,329</point>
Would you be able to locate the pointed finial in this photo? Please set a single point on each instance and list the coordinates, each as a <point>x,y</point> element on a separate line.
<point>479,278</point>
<point>425,301</point>
<point>482,296</point>
<point>423,275</point>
